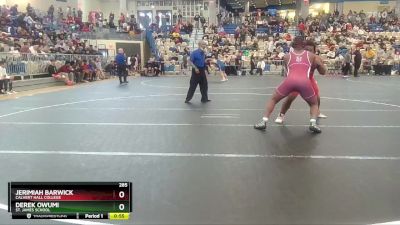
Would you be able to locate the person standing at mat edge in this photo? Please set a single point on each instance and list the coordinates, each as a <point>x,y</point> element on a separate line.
<point>198,63</point>
<point>120,60</point>
<point>357,61</point>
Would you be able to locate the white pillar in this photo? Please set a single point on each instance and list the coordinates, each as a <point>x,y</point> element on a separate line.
<point>85,10</point>
<point>340,7</point>
<point>247,7</point>
<point>123,7</point>
<point>133,8</point>
<point>212,12</point>
<point>397,9</point>
<point>332,7</point>
<point>302,8</point>
<point>305,9</point>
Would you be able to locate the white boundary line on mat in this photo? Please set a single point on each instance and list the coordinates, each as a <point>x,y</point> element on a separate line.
<point>388,223</point>
<point>198,155</point>
<point>208,109</point>
<point>165,95</point>
<point>188,124</point>
<point>374,84</point>
<point>145,83</point>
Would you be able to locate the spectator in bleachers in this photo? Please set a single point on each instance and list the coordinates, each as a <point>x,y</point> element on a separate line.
<point>78,75</point>
<point>52,68</point>
<point>85,68</point>
<point>197,21</point>
<point>50,12</point>
<point>152,68</point>
<point>111,68</point>
<point>93,69</point>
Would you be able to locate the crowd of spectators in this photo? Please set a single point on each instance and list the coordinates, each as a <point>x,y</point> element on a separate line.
<point>340,39</point>
<point>56,31</point>
<point>375,36</point>
<point>30,32</point>
<point>337,35</point>
<point>173,50</point>
<point>78,71</point>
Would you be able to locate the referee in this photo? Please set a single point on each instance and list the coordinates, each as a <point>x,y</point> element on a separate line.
<point>198,63</point>
<point>120,60</point>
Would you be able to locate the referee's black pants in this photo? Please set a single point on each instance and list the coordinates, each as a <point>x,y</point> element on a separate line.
<point>200,79</point>
<point>122,73</point>
<point>357,66</point>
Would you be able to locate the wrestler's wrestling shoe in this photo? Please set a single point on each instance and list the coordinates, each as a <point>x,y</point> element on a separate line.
<point>261,125</point>
<point>314,128</point>
<point>322,116</point>
<point>280,119</point>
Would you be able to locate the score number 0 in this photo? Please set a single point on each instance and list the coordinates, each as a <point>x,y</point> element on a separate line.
<point>121,194</point>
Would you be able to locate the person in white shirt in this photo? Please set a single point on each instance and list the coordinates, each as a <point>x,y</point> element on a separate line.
<point>260,66</point>
<point>221,29</point>
<point>99,69</point>
<point>33,49</point>
<point>28,19</point>
<point>2,77</point>
<point>136,65</point>
<point>14,51</point>
<point>5,80</point>
<point>271,45</point>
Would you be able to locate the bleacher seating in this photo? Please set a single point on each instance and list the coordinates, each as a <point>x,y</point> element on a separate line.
<point>230,28</point>
<point>32,84</point>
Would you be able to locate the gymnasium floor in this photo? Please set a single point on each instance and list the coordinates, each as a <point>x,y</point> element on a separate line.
<point>204,163</point>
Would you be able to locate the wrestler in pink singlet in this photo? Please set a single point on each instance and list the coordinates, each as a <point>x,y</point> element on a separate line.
<point>298,77</point>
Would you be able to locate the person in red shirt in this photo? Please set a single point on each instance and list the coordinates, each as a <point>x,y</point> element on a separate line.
<point>302,28</point>
<point>86,71</point>
<point>121,19</point>
<point>372,19</point>
<point>66,73</point>
<point>288,37</point>
<point>349,27</point>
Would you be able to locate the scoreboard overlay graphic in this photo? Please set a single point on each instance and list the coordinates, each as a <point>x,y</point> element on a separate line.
<point>70,200</point>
